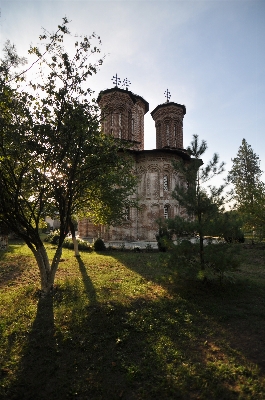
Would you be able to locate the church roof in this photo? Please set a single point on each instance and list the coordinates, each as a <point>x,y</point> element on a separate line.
<point>169,150</point>
<point>132,95</point>
<point>170,103</point>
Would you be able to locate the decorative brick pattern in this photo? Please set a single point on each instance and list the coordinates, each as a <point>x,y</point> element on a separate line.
<point>123,114</point>
<point>168,119</point>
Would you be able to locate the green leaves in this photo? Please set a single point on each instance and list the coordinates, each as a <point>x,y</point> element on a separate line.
<point>201,203</point>
<point>53,156</point>
<point>249,190</point>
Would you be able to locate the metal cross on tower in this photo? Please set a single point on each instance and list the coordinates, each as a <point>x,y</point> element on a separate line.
<point>116,81</point>
<point>126,83</point>
<point>167,94</point>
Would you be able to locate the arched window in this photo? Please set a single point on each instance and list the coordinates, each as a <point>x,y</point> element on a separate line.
<point>127,213</point>
<point>165,183</point>
<point>166,211</point>
<point>167,133</point>
<point>132,127</point>
<point>175,134</point>
<point>120,125</point>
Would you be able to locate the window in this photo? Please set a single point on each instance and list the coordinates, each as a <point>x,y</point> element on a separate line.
<point>167,134</point>
<point>165,183</point>
<point>127,213</point>
<point>132,126</point>
<point>120,119</point>
<point>112,119</point>
<point>158,136</point>
<point>175,134</point>
<point>120,133</point>
<point>166,211</point>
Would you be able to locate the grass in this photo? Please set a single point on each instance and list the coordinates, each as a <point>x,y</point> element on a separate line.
<point>123,326</point>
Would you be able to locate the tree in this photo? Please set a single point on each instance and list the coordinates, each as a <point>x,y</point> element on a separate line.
<point>200,202</point>
<point>249,190</point>
<point>53,156</point>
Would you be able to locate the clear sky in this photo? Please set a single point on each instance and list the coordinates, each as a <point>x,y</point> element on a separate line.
<point>209,54</point>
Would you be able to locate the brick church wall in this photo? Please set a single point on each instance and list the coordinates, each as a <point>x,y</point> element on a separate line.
<point>123,114</point>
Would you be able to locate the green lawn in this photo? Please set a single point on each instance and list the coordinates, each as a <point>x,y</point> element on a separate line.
<point>122,326</point>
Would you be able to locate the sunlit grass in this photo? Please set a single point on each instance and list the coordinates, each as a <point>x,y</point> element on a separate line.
<point>121,325</point>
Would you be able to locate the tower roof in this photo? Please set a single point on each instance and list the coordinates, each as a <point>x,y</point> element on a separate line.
<point>132,95</point>
<point>170,103</point>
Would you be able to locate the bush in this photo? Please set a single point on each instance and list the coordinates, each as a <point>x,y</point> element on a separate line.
<point>99,245</point>
<point>53,237</point>
<point>148,247</point>
<point>164,238</point>
<point>82,245</point>
<point>185,259</point>
<point>221,260</point>
<point>238,238</point>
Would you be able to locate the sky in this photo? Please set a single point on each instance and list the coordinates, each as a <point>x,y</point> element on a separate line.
<point>209,54</point>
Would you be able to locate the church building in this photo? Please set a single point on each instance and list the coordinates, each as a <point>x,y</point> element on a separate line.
<point>123,117</point>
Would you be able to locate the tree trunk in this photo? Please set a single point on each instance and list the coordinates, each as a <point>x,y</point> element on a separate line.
<point>201,253</point>
<point>47,271</point>
<point>75,242</point>
<point>75,246</point>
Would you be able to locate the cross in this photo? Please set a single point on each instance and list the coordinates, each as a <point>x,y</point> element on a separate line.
<point>126,83</point>
<point>116,80</point>
<point>167,94</point>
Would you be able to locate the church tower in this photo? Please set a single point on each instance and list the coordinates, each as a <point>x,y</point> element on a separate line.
<point>123,115</point>
<point>168,119</point>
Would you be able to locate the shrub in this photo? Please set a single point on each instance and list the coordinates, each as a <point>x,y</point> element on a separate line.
<point>53,237</point>
<point>221,260</point>
<point>137,249</point>
<point>185,259</point>
<point>238,238</point>
<point>148,247</point>
<point>99,245</point>
<point>82,245</point>
<point>164,238</point>
<point>122,247</point>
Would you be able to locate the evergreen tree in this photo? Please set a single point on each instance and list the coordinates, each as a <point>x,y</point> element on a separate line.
<point>200,202</point>
<point>249,190</point>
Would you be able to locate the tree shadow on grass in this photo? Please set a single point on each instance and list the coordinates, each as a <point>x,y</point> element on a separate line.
<point>38,363</point>
<point>230,318</point>
<point>90,290</point>
<point>146,349</point>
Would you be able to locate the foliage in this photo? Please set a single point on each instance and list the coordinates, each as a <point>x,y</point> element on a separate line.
<point>164,236</point>
<point>201,203</point>
<point>249,190</point>
<point>99,245</point>
<point>53,156</point>
<point>53,238</point>
<point>229,227</point>
<point>185,259</point>
<point>221,260</point>
<point>82,244</point>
